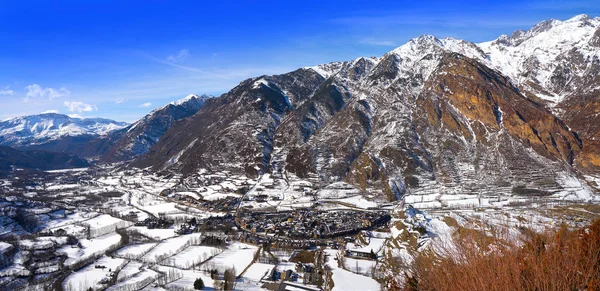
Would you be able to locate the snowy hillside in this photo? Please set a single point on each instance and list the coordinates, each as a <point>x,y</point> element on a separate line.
<point>549,58</point>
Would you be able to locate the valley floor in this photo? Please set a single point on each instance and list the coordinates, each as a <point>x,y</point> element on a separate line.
<point>111,229</point>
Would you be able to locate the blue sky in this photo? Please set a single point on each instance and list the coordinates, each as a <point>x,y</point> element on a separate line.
<point>121,59</point>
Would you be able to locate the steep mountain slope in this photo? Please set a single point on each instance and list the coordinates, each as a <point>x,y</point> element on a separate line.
<point>428,119</point>
<point>40,160</point>
<point>234,130</point>
<point>432,116</point>
<point>557,63</point>
<point>36,130</point>
<point>552,60</point>
<point>139,137</point>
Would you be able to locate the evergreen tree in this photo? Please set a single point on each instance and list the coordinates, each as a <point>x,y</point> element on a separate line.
<point>198,284</point>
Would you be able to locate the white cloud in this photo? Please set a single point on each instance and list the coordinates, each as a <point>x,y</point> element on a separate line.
<point>74,115</point>
<point>76,106</point>
<point>6,91</point>
<point>36,91</point>
<point>145,105</point>
<point>119,100</point>
<point>179,57</point>
<point>378,42</point>
<point>51,111</point>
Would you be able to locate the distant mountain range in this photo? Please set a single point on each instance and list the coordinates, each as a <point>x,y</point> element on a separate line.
<point>516,115</point>
<point>38,129</point>
<point>95,139</point>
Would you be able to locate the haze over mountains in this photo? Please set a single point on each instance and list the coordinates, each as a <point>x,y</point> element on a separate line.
<point>518,114</point>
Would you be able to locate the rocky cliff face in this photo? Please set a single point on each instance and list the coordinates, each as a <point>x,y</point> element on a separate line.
<point>432,116</point>
<point>557,64</point>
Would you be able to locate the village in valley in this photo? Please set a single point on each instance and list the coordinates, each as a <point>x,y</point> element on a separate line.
<point>109,229</point>
<point>128,229</point>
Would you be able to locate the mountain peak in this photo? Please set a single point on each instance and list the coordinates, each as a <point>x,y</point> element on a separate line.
<point>579,18</point>
<point>42,127</point>
<point>537,58</point>
<point>143,134</point>
<point>188,98</point>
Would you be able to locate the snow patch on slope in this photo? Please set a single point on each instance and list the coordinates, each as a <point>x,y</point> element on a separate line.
<point>173,160</point>
<point>534,55</point>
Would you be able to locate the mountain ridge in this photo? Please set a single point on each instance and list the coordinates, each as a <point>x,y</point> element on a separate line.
<point>411,117</point>
<point>140,136</point>
<point>36,129</point>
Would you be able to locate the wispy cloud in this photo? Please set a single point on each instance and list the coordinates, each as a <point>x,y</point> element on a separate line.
<point>175,62</point>
<point>179,57</point>
<point>6,91</point>
<point>145,105</point>
<point>36,91</point>
<point>51,111</point>
<point>182,67</point>
<point>119,100</point>
<point>379,42</point>
<point>76,106</point>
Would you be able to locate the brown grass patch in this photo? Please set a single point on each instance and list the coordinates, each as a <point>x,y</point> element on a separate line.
<point>559,259</point>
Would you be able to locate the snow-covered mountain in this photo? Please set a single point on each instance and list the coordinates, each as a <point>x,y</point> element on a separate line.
<point>41,128</point>
<point>551,60</point>
<point>140,136</point>
<point>431,116</point>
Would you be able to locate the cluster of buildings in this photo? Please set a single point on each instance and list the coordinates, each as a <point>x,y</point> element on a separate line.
<point>152,222</point>
<point>223,224</point>
<point>307,224</point>
<point>225,204</point>
<point>303,271</point>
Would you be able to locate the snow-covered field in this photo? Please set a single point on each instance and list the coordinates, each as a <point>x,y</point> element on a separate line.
<point>374,244</point>
<point>90,248</point>
<point>90,276</point>
<point>347,281</point>
<point>186,281</point>
<point>155,233</point>
<point>238,256</point>
<point>104,224</point>
<point>360,266</point>
<point>168,248</point>
<point>134,251</point>
<point>191,256</point>
<point>129,270</point>
<point>137,282</point>
<point>257,271</point>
